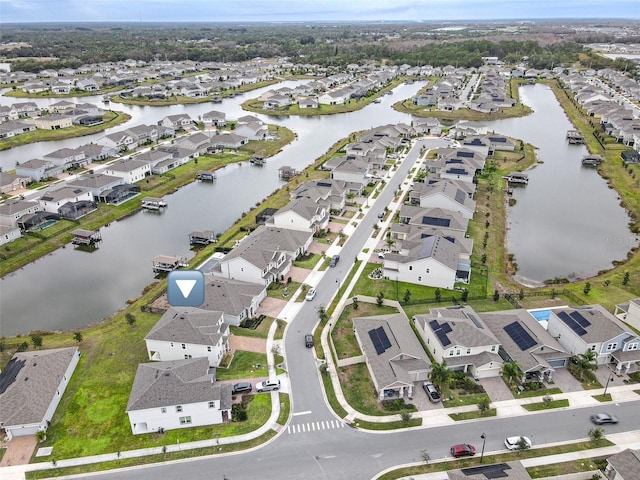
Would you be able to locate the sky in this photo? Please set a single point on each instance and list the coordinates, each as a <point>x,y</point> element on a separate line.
<point>21,11</point>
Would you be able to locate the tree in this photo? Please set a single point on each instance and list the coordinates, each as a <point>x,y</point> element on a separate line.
<point>440,374</point>
<point>407,296</point>
<point>521,294</point>
<point>438,294</point>
<point>354,301</point>
<point>587,288</point>
<point>465,295</point>
<point>496,295</point>
<point>596,434</point>
<point>36,340</point>
<point>587,363</point>
<point>322,314</point>
<point>131,319</point>
<point>511,371</point>
<point>78,337</point>
<point>522,444</point>
<point>625,279</point>
<point>405,417</point>
<point>483,406</point>
<point>380,299</point>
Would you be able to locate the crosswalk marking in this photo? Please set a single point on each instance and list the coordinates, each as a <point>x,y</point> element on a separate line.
<point>315,426</point>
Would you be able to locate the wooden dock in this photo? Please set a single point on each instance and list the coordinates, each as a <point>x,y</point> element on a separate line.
<point>518,178</point>
<point>206,176</point>
<point>575,137</point>
<point>257,160</point>
<point>592,160</point>
<point>202,238</point>
<point>287,173</point>
<point>86,237</point>
<point>152,203</point>
<point>166,263</point>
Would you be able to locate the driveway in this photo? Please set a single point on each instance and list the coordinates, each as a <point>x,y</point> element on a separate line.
<point>19,451</point>
<point>271,307</point>
<point>496,389</point>
<point>298,274</point>
<point>248,344</point>
<point>566,382</point>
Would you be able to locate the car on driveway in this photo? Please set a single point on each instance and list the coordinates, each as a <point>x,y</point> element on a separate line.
<point>310,294</point>
<point>514,443</point>
<point>602,418</point>
<point>463,450</point>
<point>432,391</point>
<point>268,386</point>
<point>242,387</point>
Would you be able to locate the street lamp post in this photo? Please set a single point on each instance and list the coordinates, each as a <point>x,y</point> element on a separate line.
<point>484,439</point>
<point>610,379</point>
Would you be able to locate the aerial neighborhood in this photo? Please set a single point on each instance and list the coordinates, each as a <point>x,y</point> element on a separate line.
<point>397,277</point>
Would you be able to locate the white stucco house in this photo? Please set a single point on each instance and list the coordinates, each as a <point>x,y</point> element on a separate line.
<point>131,170</point>
<point>302,214</point>
<point>187,332</point>
<point>177,394</point>
<point>31,387</point>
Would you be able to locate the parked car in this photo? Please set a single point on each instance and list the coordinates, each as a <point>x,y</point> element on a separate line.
<point>334,260</point>
<point>432,392</point>
<point>241,387</point>
<point>268,386</point>
<point>310,294</point>
<point>513,443</point>
<point>381,215</point>
<point>308,340</point>
<point>463,450</point>
<point>602,418</point>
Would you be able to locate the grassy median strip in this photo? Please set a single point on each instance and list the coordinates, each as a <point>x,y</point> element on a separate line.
<point>410,422</point>
<point>534,407</point>
<point>473,415</point>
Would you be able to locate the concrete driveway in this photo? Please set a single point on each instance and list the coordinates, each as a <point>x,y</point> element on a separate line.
<point>496,389</point>
<point>566,382</point>
<point>271,307</point>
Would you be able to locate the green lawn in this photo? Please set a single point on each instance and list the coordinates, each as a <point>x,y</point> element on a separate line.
<point>534,407</point>
<point>535,393</point>
<point>244,366</point>
<point>412,422</point>
<point>307,261</point>
<point>462,399</point>
<point>262,330</point>
<point>473,415</point>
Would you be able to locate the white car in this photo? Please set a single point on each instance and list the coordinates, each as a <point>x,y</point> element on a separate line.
<point>268,386</point>
<point>513,443</point>
<point>311,294</point>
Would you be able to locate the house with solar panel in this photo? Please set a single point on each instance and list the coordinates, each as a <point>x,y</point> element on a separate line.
<point>524,341</point>
<point>31,387</point>
<point>433,217</point>
<point>394,357</point>
<point>594,328</point>
<point>446,195</point>
<point>460,337</point>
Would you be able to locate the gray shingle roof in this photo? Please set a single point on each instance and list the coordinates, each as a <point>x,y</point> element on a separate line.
<point>464,331</point>
<point>229,296</point>
<point>604,326</point>
<point>163,384</point>
<point>189,325</point>
<point>26,399</point>
<point>626,463</point>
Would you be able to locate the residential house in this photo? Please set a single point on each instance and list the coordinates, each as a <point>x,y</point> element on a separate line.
<point>308,102</point>
<point>393,355</point>
<point>253,130</point>
<point>31,387</point>
<point>10,182</point>
<point>458,336</point>
<point>119,141</point>
<point>143,134</point>
<point>98,183</point>
<point>26,109</point>
<point>9,234</point>
<point>352,170</point>
<point>593,328</point>
<point>427,126</point>
<point>629,312</point>
<point>67,158</point>
<point>327,192</point>
<point>12,211</point>
<point>13,128</point>
<point>623,466</point>
<point>70,202</point>
<point>154,158</point>
<point>94,152</point>
<point>263,256</point>
<point>236,300</point>
<point>198,142</point>
<point>228,140</point>
<point>180,121</point>
<point>433,217</point>
<point>53,122</point>
<point>504,471</point>
<point>447,196</point>
<point>302,214</point>
<point>524,341</point>
<point>177,394</point>
<point>188,332</point>
<point>214,119</point>
<point>404,238</point>
<point>131,169</point>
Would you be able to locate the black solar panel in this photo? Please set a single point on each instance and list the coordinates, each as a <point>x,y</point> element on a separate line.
<point>451,239</point>
<point>475,320</point>
<point>454,160</point>
<point>446,328</point>
<point>577,316</point>
<point>460,196</point>
<point>438,222</point>
<point>489,471</point>
<point>10,373</point>
<point>375,339</point>
<point>465,154</point>
<point>384,340</point>
<point>444,340</point>
<point>520,336</point>
<point>457,171</point>
<point>434,325</point>
<point>571,323</point>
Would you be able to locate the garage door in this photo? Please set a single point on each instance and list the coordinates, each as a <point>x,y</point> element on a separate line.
<point>485,372</point>
<point>559,363</point>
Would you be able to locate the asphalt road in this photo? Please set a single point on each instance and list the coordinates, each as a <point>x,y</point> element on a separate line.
<point>320,446</point>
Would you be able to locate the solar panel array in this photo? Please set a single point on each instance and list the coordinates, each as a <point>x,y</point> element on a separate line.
<point>465,154</point>
<point>379,339</point>
<point>520,336</point>
<point>441,332</point>
<point>475,320</point>
<point>575,321</point>
<point>438,222</point>
<point>460,196</point>
<point>457,171</point>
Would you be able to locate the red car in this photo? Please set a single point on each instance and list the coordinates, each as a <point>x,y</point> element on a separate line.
<point>463,450</point>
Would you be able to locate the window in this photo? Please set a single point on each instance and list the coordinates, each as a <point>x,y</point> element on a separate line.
<point>493,348</point>
<point>171,344</point>
<point>184,347</point>
<point>427,270</point>
<point>410,267</point>
<point>208,348</point>
<point>185,420</point>
<point>212,404</point>
<point>163,410</point>
<point>593,348</point>
<point>468,351</point>
<point>451,353</point>
<point>457,352</point>
<point>187,357</point>
<point>633,346</point>
<point>178,408</point>
<point>612,346</point>
<point>419,279</point>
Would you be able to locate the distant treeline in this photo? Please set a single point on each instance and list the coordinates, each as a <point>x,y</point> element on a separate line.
<point>315,44</point>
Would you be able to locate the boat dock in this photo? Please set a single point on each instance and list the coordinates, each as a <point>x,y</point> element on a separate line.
<point>592,160</point>
<point>86,237</point>
<point>152,203</point>
<point>518,177</point>
<point>575,137</point>
<point>257,160</point>
<point>206,176</point>
<point>166,263</point>
<point>287,173</point>
<point>202,238</point>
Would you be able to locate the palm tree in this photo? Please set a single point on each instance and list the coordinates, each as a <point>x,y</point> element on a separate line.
<point>587,363</point>
<point>440,374</point>
<point>511,371</point>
